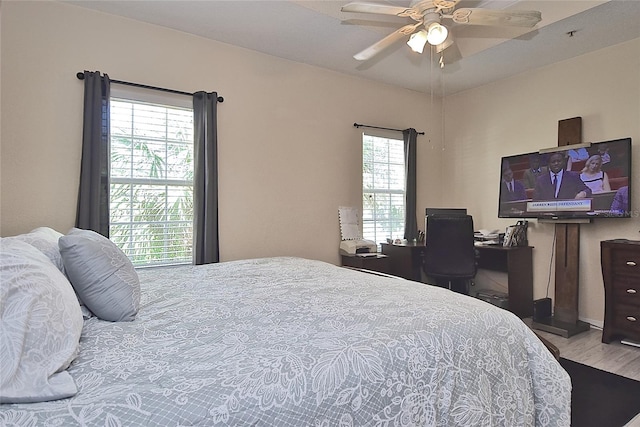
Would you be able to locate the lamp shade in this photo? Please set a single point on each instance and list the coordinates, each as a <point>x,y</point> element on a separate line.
<point>437,34</point>
<point>417,41</point>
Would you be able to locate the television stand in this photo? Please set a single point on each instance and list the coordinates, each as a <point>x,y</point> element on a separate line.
<point>564,321</point>
<point>559,327</point>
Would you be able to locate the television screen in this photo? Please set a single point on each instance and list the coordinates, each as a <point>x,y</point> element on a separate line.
<point>576,182</point>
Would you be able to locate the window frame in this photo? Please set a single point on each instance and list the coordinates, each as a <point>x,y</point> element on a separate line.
<point>163,99</point>
<point>396,223</point>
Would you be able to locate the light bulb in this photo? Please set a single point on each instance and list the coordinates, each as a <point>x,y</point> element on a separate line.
<point>417,41</point>
<point>437,34</point>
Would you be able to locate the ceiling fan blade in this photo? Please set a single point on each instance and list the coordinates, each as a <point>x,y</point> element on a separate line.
<point>515,18</point>
<point>382,9</point>
<point>445,5</point>
<point>375,48</point>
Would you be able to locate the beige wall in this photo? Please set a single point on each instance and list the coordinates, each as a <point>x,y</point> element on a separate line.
<point>288,152</point>
<point>289,155</point>
<point>520,115</point>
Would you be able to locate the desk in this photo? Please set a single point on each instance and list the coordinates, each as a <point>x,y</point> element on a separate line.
<point>405,260</point>
<point>517,262</point>
<point>376,262</point>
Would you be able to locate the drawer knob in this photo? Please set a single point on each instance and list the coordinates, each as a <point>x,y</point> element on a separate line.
<point>631,291</point>
<point>631,318</point>
<point>631,263</point>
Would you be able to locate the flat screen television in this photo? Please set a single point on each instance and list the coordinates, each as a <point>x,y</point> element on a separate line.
<point>582,181</point>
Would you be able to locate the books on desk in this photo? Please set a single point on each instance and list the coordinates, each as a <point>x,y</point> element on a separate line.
<point>486,237</point>
<point>487,242</point>
<point>486,234</point>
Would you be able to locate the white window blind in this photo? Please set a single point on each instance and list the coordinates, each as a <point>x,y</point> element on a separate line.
<point>383,188</point>
<point>151,179</point>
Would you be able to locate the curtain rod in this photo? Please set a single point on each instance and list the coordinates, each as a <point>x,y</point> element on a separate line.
<point>358,125</point>
<point>80,76</point>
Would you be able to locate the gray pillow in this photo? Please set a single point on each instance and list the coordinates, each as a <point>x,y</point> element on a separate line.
<point>101,274</point>
<point>40,326</point>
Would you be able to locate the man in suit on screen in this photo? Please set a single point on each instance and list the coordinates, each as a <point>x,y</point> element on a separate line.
<point>512,189</point>
<point>535,170</point>
<point>559,183</point>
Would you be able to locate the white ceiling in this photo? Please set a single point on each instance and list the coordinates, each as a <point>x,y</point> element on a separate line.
<point>319,34</point>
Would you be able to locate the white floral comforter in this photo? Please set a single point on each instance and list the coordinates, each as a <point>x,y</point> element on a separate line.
<point>295,342</point>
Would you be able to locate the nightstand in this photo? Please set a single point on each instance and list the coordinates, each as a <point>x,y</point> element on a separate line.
<point>376,262</point>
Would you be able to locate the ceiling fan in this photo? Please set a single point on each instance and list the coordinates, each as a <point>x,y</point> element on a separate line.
<point>428,15</point>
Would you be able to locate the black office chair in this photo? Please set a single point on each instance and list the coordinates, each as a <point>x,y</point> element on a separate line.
<point>450,254</point>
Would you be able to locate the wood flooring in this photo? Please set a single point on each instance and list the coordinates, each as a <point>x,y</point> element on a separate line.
<point>587,348</point>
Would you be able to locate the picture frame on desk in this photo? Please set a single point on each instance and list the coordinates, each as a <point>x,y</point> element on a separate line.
<point>516,235</point>
<point>508,236</point>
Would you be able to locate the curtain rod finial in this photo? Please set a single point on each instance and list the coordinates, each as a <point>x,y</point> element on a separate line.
<point>80,75</point>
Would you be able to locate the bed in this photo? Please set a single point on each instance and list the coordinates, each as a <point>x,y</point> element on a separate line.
<point>287,341</point>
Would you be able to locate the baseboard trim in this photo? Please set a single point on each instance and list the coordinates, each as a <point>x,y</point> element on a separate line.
<point>599,324</point>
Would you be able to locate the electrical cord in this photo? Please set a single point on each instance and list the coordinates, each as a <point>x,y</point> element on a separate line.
<point>553,250</point>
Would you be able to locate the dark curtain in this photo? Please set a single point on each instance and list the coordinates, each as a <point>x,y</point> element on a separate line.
<point>93,196</point>
<point>205,187</point>
<point>410,137</point>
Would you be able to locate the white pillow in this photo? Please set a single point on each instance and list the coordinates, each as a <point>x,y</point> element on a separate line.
<point>101,274</point>
<point>40,326</point>
<point>44,239</point>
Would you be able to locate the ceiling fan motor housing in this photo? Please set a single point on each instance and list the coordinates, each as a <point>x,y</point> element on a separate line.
<point>421,7</point>
<point>430,18</point>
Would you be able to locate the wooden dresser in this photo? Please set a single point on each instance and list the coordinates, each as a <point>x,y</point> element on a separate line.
<point>621,274</point>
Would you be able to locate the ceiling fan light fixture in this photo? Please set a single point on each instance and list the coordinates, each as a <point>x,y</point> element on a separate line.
<point>445,44</point>
<point>417,41</point>
<point>436,34</point>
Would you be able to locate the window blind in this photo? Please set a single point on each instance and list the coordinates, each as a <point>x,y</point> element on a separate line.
<point>383,188</point>
<point>151,181</point>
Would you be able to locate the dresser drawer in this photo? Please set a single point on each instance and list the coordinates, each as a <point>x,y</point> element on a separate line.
<point>626,262</point>
<point>627,318</point>
<point>626,291</point>
<point>620,261</point>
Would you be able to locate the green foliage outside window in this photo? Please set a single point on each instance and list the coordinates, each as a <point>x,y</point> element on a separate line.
<point>151,189</point>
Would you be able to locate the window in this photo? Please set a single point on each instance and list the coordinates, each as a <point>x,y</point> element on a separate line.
<point>383,188</point>
<point>151,177</point>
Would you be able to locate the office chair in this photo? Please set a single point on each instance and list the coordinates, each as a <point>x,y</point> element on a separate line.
<point>450,254</point>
